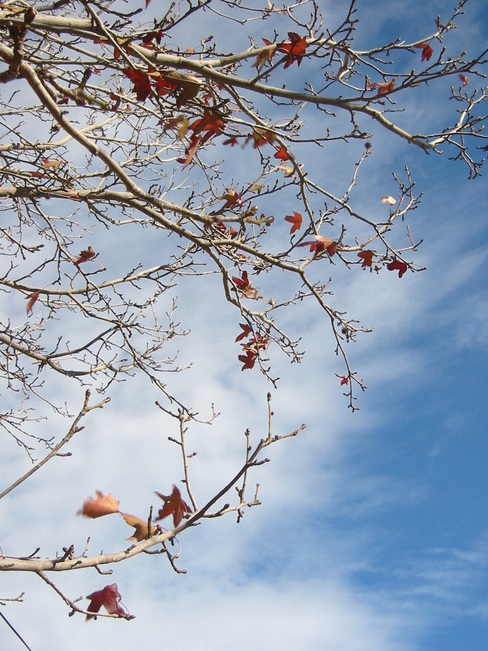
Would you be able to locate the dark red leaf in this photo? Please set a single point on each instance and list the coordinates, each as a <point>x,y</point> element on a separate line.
<point>109,598</point>
<point>397,265</point>
<point>367,258</point>
<point>141,81</point>
<point>173,505</point>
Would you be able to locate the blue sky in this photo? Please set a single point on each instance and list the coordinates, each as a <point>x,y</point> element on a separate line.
<point>373,528</point>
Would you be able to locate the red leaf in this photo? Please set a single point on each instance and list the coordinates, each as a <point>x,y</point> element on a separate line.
<point>344,380</point>
<point>294,49</point>
<point>241,283</point>
<point>232,141</point>
<point>427,51</point>
<point>295,220</point>
<point>464,79</point>
<point>246,330</point>
<point>282,154</point>
<point>248,359</point>
<point>209,122</point>
<point>141,81</point>
<point>397,265</point>
<point>32,299</point>
<point>173,504</point>
<point>109,598</point>
<point>321,244</point>
<point>367,258</point>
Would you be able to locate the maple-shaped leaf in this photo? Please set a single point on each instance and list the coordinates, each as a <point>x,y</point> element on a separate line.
<point>383,88</point>
<point>102,505</point>
<point>87,254</point>
<point>295,220</point>
<point>397,265</point>
<point>281,154</point>
<point>141,81</point>
<point>210,122</point>
<point>248,359</point>
<point>142,531</point>
<point>294,49</point>
<point>32,299</point>
<point>109,598</point>
<point>246,331</point>
<point>241,283</point>
<point>265,55</point>
<point>231,199</point>
<point>321,244</point>
<point>366,257</point>
<point>427,51</point>
<point>173,505</point>
<point>344,379</point>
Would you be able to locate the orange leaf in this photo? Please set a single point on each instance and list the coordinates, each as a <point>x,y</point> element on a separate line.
<point>141,529</point>
<point>295,220</point>
<point>32,299</point>
<point>173,505</point>
<point>389,200</point>
<point>102,505</point>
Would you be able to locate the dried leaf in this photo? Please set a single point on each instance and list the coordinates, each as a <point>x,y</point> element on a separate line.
<point>87,254</point>
<point>109,598</point>
<point>173,505</point>
<point>102,505</point>
<point>32,299</point>
<point>295,220</point>
<point>367,258</point>
<point>427,51</point>
<point>141,529</point>
<point>397,265</point>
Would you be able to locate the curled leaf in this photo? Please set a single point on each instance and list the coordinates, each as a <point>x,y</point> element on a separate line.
<point>142,531</point>
<point>427,51</point>
<point>32,299</point>
<point>109,598</point>
<point>389,200</point>
<point>102,505</point>
<point>366,257</point>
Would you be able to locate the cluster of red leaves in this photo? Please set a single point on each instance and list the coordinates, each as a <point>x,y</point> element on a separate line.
<point>321,244</point>
<point>109,598</point>
<point>209,125</point>
<point>427,51</point>
<point>181,85</point>
<point>384,87</point>
<point>251,348</point>
<point>174,505</point>
<point>294,50</point>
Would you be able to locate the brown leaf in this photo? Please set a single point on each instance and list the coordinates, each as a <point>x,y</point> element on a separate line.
<point>141,529</point>
<point>32,299</point>
<point>173,505</point>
